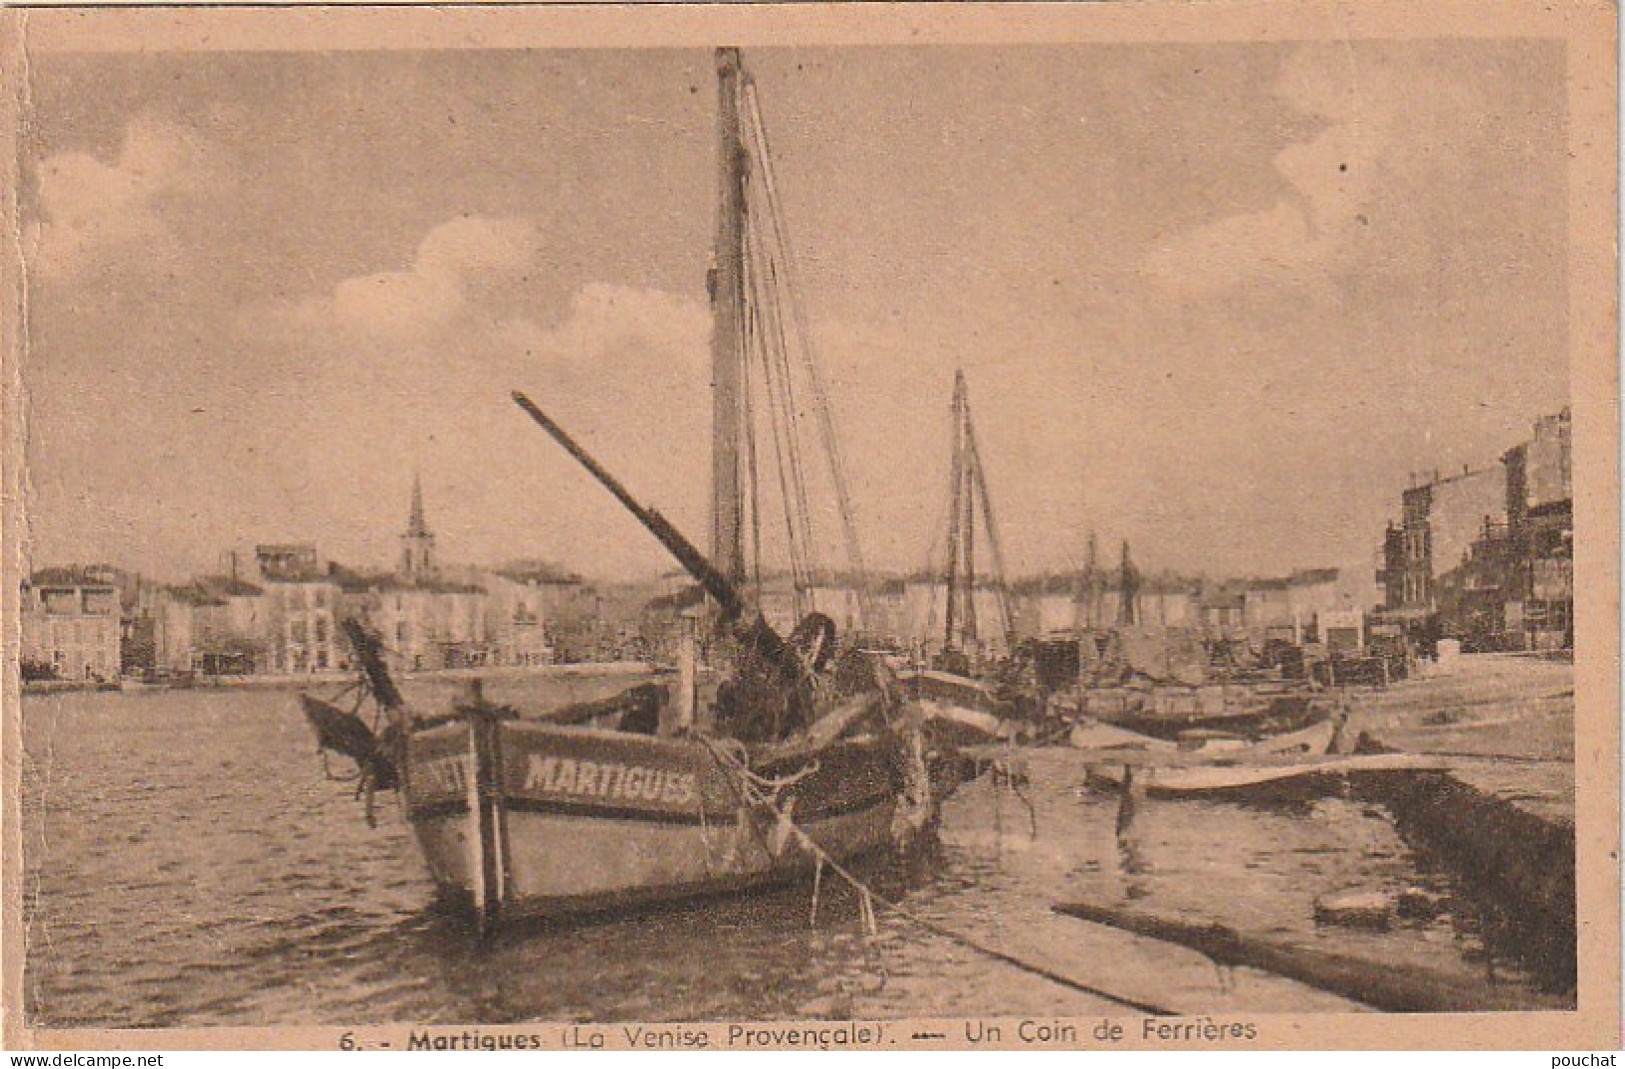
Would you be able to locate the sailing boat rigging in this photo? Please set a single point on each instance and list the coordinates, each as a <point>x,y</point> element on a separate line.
<point>801,757</point>
<point>959,707</point>
<point>967,484</point>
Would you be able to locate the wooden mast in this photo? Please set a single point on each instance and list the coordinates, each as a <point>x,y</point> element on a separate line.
<point>727,329</point>
<point>967,481</point>
<point>967,630</point>
<point>956,487</point>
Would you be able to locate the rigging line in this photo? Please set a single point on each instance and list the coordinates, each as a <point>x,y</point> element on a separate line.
<point>798,513</point>
<point>744,796</point>
<point>791,411</point>
<point>752,315</point>
<point>999,574</point>
<point>971,631</point>
<point>781,467</point>
<point>940,522</point>
<point>832,443</point>
<point>782,403</point>
<point>755,495</point>
<point>808,352</point>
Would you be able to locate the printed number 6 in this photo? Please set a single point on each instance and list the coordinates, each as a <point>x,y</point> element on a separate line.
<point>347,1041</point>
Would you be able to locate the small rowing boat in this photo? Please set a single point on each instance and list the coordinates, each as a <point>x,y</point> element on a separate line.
<point>1260,778</point>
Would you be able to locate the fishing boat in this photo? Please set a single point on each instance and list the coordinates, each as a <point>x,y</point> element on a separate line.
<point>799,754</point>
<point>961,707</point>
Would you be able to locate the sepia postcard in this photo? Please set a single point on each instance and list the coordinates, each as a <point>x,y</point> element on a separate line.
<point>839,527</point>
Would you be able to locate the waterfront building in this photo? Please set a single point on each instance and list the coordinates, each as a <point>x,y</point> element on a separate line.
<point>887,612</point>
<point>1539,589</point>
<point>1266,606</point>
<point>70,625</point>
<point>1223,610</point>
<point>216,626</point>
<point>839,597</point>
<point>1168,601</point>
<point>1090,600</point>
<point>1487,556</point>
<point>427,620</point>
<point>527,602</point>
<point>1046,606</point>
<point>1441,518</point>
<point>1391,576</point>
<point>300,609</point>
<point>424,624</point>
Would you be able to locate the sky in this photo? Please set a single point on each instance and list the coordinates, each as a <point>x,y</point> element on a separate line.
<point>1220,300</point>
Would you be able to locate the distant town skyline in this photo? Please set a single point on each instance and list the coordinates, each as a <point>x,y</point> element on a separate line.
<point>1219,300</point>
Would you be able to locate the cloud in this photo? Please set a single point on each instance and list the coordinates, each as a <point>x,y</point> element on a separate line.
<point>629,343</point>
<point>435,288</point>
<point>414,369</point>
<point>91,213</point>
<point>1331,181</point>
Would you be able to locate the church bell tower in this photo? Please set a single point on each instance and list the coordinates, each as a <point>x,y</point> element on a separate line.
<point>417,544</point>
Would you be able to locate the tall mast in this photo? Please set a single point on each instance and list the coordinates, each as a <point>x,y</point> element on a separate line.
<point>968,629</point>
<point>727,328</point>
<point>956,487</point>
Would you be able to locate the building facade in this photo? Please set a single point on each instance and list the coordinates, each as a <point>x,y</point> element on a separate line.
<point>300,611</point>
<point>1487,556</point>
<point>70,626</point>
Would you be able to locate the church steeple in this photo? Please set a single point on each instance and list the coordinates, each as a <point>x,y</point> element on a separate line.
<point>417,544</point>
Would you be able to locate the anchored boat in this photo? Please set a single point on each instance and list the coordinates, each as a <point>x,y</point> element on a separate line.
<point>801,755</point>
<point>961,709</point>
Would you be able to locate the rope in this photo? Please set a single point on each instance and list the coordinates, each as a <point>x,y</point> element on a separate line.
<point>781,433</point>
<point>867,899</point>
<point>999,575</point>
<point>755,495</point>
<point>821,405</point>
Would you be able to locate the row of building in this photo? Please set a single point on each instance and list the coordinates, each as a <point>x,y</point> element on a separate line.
<point>911,613</point>
<point>1486,555</point>
<point>279,612</point>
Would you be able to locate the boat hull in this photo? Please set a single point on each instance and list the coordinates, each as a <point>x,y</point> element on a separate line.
<point>957,711</point>
<point>1167,713</point>
<point>561,866</point>
<point>519,819</point>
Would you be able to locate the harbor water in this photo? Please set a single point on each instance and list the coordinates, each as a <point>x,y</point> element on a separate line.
<point>187,864</point>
